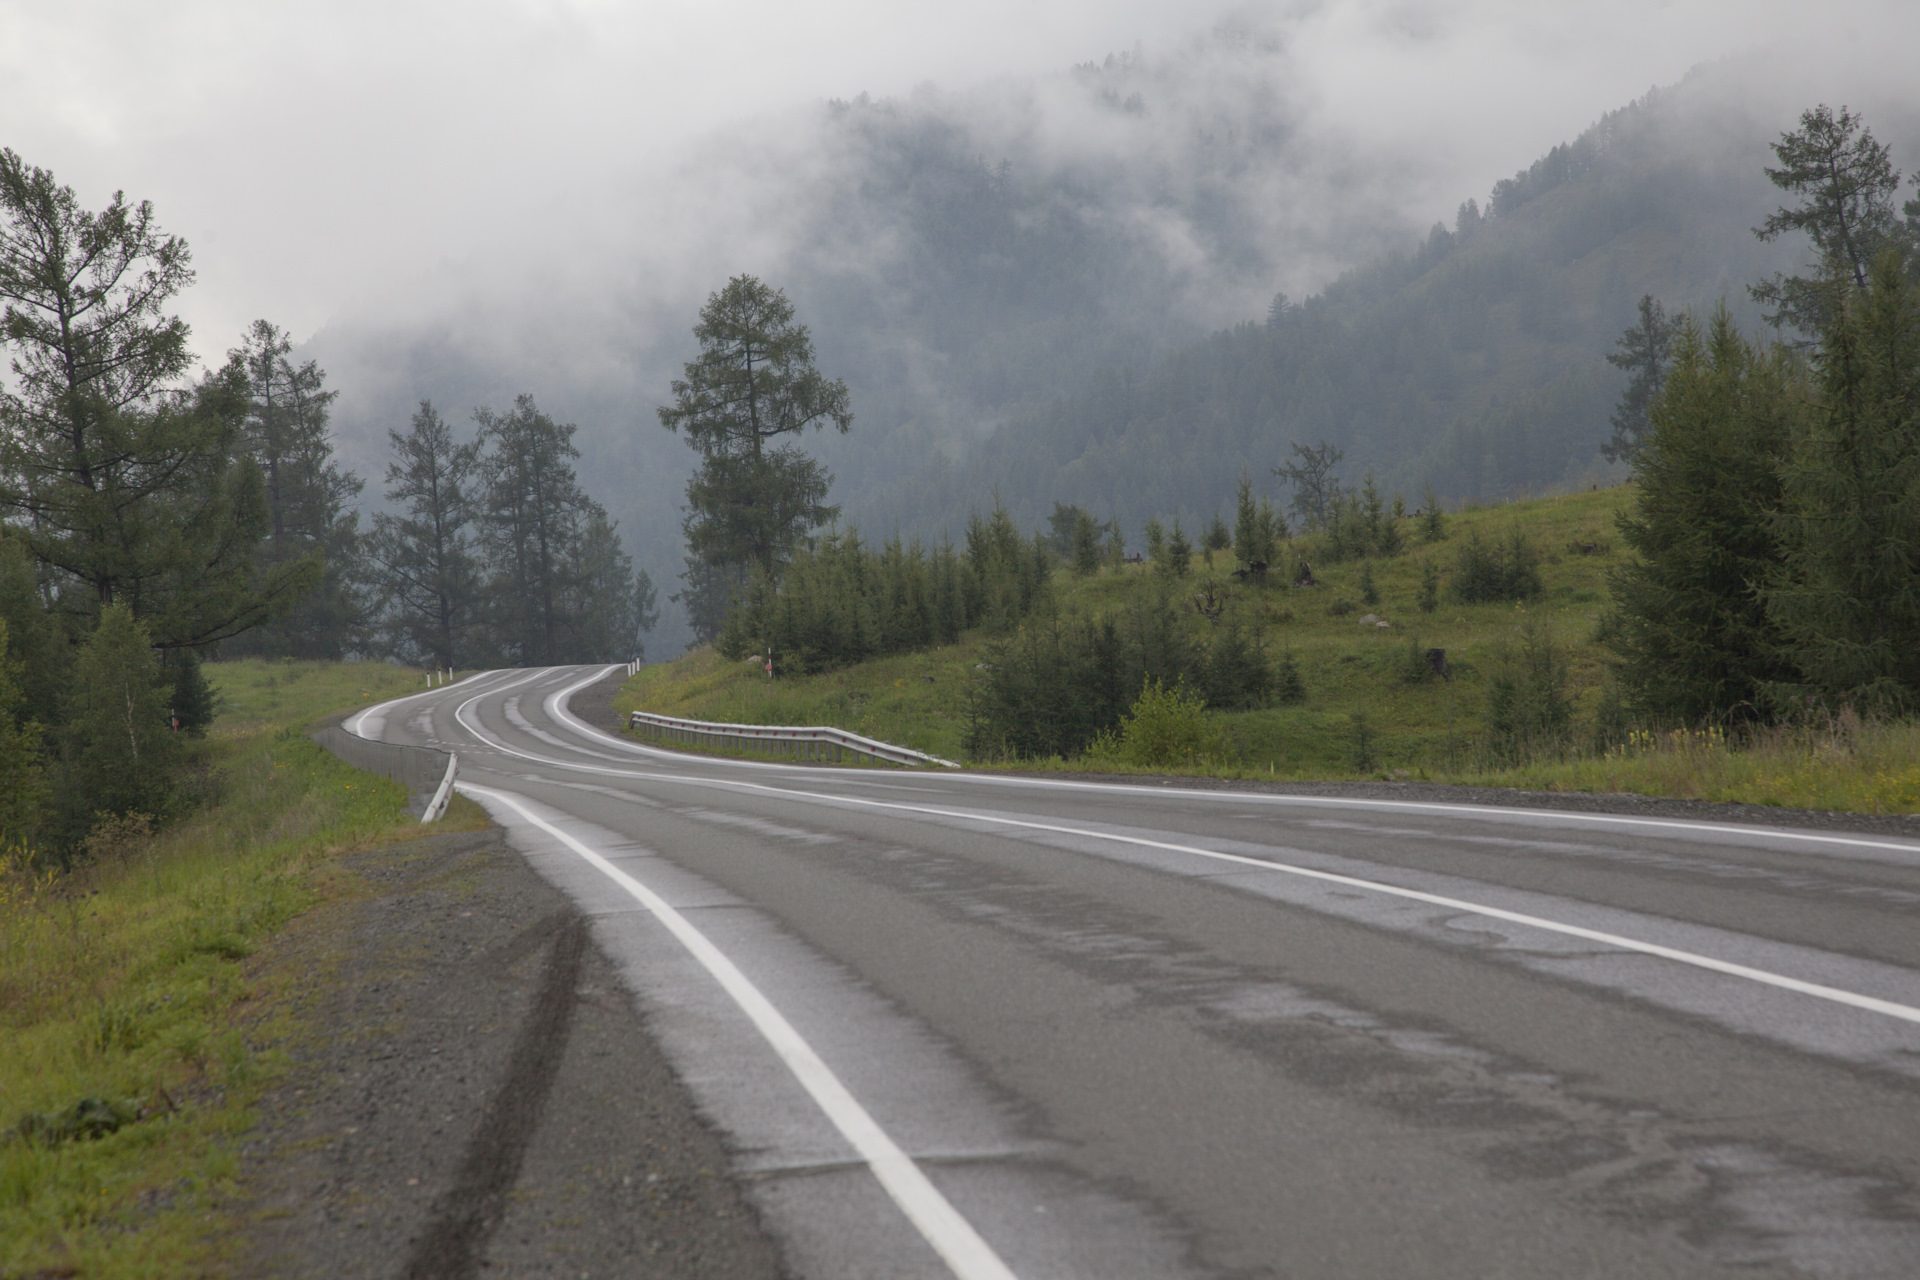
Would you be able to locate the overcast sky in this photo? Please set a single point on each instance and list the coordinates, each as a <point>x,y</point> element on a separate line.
<point>329,158</point>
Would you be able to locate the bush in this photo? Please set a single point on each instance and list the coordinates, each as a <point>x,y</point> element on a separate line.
<point>1429,587</point>
<point>1484,574</point>
<point>1052,690</point>
<point>1166,726</point>
<point>1289,687</point>
<point>1529,711</point>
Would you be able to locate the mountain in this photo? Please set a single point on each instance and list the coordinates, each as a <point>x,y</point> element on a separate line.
<point>1063,291</point>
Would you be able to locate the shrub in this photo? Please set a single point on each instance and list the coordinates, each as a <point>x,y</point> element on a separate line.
<point>1289,687</point>
<point>1429,587</point>
<point>1529,711</point>
<point>1485,573</point>
<point>1166,726</point>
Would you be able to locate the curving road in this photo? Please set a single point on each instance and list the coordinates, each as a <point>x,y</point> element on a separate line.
<point>962,1024</point>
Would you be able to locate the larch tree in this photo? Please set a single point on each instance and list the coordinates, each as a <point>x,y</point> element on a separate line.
<point>533,516</point>
<point>425,566</point>
<point>1846,597</point>
<point>1848,182</point>
<point>1642,352</point>
<point>127,484</point>
<point>309,498</point>
<point>745,398</point>
<point>1689,621</point>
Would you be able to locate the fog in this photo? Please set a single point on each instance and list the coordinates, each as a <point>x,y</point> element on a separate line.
<point>469,200</point>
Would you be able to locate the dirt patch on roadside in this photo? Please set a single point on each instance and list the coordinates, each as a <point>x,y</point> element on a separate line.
<point>475,1094</point>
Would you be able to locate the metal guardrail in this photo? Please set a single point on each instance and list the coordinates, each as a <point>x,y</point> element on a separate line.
<point>817,742</point>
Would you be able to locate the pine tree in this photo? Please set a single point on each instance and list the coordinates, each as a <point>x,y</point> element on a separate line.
<point>753,499</point>
<point>118,750</point>
<point>1642,353</point>
<point>532,520</point>
<point>425,567</point>
<point>125,481</point>
<point>1257,530</point>
<point>1216,538</point>
<point>1846,598</point>
<point>1179,552</point>
<point>1849,182</point>
<point>613,605</point>
<point>309,499</point>
<point>1688,619</point>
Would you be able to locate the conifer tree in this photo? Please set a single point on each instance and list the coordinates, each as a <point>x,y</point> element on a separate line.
<point>118,749</point>
<point>1642,353</point>
<point>309,498</point>
<point>426,569</point>
<point>1689,621</point>
<point>1848,183</point>
<point>1846,597</point>
<point>1179,551</point>
<point>1257,530</point>
<point>533,515</point>
<point>129,486</point>
<point>23,787</point>
<point>753,498</point>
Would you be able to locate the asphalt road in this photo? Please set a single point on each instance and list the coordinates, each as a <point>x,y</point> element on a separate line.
<point>962,1024</point>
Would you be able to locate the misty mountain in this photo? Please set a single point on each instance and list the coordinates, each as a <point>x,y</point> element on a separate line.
<point>1474,361</point>
<point>1061,292</point>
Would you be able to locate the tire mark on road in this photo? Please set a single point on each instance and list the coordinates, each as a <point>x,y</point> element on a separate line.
<point>456,1235</point>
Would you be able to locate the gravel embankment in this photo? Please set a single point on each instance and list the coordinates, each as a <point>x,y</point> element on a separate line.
<point>474,1094</point>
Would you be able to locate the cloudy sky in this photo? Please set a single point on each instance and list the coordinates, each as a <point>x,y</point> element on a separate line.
<point>340,158</point>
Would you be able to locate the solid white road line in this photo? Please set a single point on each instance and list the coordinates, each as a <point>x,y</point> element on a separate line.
<point>556,706</point>
<point>952,1236</point>
<point>1872,1004</point>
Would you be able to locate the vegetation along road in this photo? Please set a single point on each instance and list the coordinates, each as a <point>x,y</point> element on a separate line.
<point>981,1025</point>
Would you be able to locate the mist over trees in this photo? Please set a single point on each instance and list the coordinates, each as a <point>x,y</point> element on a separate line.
<point>150,519</point>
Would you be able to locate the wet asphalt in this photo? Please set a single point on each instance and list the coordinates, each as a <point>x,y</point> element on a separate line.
<point>1139,1030</point>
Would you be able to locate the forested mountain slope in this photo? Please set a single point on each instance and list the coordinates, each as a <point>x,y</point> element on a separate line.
<point>1018,285</point>
<point>1475,362</point>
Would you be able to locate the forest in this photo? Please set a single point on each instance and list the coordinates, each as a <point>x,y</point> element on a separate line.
<point>151,519</point>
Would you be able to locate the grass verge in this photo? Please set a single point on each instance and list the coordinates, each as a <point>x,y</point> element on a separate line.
<point>1374,708</point>
<point>139,1020</point>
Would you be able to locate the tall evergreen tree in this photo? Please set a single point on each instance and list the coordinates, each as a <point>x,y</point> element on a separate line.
<point>1846,598</point>
<point>1642,352</point>
<point>754,382</point>
<point>1690,625</point>
<point>125,481</point>
<point>614,605</point>
<point>426,570</point>
<point>1848,181</point>
<point>309,498</point>
<point>532,523</point>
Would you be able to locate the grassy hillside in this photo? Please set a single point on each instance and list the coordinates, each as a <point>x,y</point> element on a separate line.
<point>138,1019</point>
<point>1423,726</point>
<point>1417,727</point>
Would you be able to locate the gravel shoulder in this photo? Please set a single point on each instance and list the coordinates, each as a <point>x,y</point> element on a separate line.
<point>474,1093</point>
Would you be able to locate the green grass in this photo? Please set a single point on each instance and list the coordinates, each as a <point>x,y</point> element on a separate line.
<point>142,979</point>
<point>920,700</point>
<point>1426,729</point>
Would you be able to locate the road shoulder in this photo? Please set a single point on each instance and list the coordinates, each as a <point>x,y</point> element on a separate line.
<point>473,1089</point>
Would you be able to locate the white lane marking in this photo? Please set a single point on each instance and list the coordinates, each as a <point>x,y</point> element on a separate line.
<point>352,724</point>
<point>951,1235</point>
<point>1872,1004</point>
<point>556,706</point>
